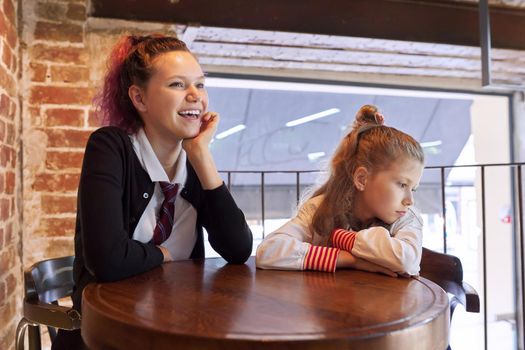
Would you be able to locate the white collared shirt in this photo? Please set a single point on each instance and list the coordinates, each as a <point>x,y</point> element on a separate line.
<point>183,234</point>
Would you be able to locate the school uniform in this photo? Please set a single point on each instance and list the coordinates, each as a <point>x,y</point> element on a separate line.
<point>397,246</point>
<point>118,201</point>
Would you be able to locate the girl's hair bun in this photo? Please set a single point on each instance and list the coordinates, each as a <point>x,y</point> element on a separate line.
<point>368,115</point>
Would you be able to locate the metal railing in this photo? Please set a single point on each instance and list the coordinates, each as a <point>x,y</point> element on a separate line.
<point>516,183</point>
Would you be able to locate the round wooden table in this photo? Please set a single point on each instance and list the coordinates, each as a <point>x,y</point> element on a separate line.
<point>208,304</point>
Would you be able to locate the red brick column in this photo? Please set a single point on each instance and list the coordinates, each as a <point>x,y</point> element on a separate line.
<point>10,236</point>
<point>56,114</point>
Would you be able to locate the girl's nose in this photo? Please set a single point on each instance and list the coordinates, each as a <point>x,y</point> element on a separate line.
<point>409,199</point>
<point>193,95</point>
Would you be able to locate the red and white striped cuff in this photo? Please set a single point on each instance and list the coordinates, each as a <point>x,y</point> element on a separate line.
<point>343,239</point>
<point>321,258</point>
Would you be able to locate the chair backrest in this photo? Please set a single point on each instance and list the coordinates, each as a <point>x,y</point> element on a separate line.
<point>50,280</point>
<point>446,271</point>
<point>45,283</point>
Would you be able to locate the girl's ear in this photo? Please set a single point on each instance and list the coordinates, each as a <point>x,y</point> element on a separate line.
<point>360,178</point>
<point>136,96</point>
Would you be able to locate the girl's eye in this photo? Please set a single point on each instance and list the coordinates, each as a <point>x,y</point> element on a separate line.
<point>200,85</point>
<point>177,84</point>
<point>402,185</point>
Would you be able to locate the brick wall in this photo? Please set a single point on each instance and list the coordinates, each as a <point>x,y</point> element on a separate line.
<point>56,123</point>
<point>10,237</point>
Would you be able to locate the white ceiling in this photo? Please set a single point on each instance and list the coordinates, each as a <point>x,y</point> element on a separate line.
<point>310,52</point>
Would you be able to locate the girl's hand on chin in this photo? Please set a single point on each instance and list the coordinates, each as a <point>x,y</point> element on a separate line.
<point>209,123</point>
<point>199,155</point>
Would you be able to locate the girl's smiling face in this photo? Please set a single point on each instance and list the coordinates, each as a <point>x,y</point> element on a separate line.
<point>174,99</point>
<point>386,194</point>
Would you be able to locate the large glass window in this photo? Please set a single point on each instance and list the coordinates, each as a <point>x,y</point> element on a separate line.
<point>276,137</point>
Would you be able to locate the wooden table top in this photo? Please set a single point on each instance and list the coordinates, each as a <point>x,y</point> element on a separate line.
<point>208,304</point>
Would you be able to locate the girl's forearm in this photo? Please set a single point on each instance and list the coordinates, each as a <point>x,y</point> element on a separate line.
<point>204,165</point>
<point>345,260</point>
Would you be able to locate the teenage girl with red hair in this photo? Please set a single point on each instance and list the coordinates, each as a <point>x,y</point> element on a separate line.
<point>149,183</point>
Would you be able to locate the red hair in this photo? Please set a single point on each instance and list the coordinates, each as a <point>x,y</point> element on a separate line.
<point>130,62</point>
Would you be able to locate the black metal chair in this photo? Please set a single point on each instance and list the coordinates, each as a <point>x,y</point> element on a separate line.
<point>447,272</point>
<point>45,283</point>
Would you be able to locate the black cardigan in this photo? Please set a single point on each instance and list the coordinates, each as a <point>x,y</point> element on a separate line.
<point>113,193</point>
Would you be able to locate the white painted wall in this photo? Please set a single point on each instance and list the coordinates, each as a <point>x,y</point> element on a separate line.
<point>519,126</point>
<point>519,156</point>
<point>490,129</point>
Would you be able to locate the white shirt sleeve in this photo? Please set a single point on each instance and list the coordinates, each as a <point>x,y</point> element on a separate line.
<point>286,247</point>
<point>398,250</point>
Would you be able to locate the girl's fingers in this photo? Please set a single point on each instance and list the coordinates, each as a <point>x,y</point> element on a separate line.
<point>210,121</point>
<point>370,266</point>
<point>389,273</point>
<point>210,116</point>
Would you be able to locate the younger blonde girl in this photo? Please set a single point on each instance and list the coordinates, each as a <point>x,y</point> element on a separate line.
<point>362,217</point>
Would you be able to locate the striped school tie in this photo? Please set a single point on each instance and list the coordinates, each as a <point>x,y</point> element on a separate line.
<point>165,220</point>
